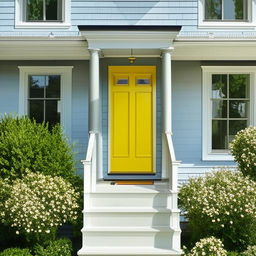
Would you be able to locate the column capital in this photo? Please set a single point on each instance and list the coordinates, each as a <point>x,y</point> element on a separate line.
<point>167,50</point>
<point>94,50</point>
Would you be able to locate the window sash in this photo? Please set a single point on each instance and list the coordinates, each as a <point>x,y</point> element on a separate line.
<point>245,13</point>
<point>60,11</point>
<point>228,119</point>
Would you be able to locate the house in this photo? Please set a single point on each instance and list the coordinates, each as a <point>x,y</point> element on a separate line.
<point>152,90</point>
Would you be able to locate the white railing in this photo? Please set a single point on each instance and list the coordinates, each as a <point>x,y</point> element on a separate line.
<point>172,164</point>
<point>90,166</point>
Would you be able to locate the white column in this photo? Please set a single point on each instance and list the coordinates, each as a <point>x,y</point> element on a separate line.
<point>167,89</point>
<point>94,91</point>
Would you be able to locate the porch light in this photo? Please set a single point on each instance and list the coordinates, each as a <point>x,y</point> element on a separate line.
<point>132,58</point>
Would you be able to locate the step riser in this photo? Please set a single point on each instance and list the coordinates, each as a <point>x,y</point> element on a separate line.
<point>128,239</point>
<point>126,219</point>
<point>128,200</point>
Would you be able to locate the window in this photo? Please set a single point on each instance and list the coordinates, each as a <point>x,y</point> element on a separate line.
<point>43,10</point>
<point>45,95</point>
<point>227,107</point>
<point>226,13</point>
<point>44,98</point>
<point>225,10</point>
<point>42,13</point>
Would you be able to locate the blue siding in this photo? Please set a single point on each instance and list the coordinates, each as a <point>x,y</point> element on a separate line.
<point>163,12</point>
<point>120,12</point>
<point>9,98</point>
<point>187,119</point>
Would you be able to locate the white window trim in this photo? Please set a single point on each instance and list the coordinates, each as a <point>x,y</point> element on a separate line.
<point>251,23</point>
<point>66,91</point>
<point>20,23</point>
<point>207,72</point>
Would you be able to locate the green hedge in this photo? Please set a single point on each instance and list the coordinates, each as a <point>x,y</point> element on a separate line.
<point>25,144</point>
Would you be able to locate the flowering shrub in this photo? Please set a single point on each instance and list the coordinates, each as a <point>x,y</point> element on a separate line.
<point>15,252</point>
<point>251,251</point>
<point>223,204</point>
<point>25,144</point>
<point>210,246</point>
<point>243,148</point>
<point>38,204</point>
<point>61,247</point>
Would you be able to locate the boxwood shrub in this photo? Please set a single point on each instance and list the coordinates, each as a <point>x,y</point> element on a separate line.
<point>15,252</point>
<point>25,144</point>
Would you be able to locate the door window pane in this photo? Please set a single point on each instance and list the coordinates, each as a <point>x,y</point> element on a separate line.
<point>213,9</point>
<point>142,81</point>
<point>219,86</point>
<point>219,134</point>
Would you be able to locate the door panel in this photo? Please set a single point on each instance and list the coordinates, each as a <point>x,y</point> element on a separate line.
<point>132,119</point>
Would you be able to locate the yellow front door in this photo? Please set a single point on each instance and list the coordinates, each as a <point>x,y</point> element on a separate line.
<point>132,92</point>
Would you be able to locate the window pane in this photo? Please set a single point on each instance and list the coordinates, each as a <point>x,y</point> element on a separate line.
<point>122,81</point>
<point>36,86</point>
<point>238,109</point>
<point>142,81</point>
<point>235,127</point>
<point>219,108</point>
<point>35,10</point>
<point>52,86</point>
<point>219,86</point>
<point>51,112</point>
<point>234,9</point>
<point>53,10</point>
<point>36,110</point>
<point>239,86</point>
<point>213,9</point>
<point>219,134</point>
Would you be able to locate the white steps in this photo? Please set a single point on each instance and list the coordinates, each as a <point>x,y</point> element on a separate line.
<point>123,251</point>
<point>131,220</point>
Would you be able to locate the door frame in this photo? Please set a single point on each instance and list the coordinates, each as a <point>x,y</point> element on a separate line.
<point>153,69</point>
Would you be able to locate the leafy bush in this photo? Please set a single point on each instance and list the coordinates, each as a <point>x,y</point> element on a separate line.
<point>243,148</point>
<point>209,246</point>
<point>24,144</point>
<point>251,251</point>
<point>38,204</point>
<point>61,247</point>
<point>222,204</point>
<point>233,254</point>
<point>15,252</point>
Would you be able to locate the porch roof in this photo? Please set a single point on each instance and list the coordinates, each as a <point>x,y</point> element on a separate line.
<point>129,36</point>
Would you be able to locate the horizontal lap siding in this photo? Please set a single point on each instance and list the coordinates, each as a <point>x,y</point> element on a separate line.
<point>7,15</point>
<point>93,12</point>
<point>187,120</point>
<point>105,12</point>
